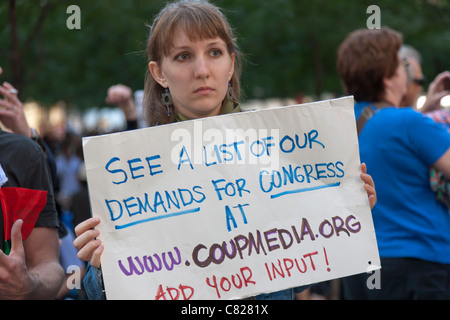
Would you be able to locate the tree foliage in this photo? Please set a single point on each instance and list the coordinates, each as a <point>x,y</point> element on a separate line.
<point>289,45</point>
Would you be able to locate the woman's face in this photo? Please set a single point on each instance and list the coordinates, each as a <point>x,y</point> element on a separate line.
<point>196,73</point>
<point>395,86</point>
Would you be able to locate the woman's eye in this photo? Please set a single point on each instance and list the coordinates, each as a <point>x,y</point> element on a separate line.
<point>216,52</point>
<point>182,56</point>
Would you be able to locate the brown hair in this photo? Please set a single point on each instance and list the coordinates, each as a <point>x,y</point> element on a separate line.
<point>200,20</point>
<point>365,57</point>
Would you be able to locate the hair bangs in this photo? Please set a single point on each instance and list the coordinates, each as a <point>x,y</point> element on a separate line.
<point>198,24</point>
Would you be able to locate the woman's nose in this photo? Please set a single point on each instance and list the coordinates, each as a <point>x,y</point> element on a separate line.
<point>202,69</point>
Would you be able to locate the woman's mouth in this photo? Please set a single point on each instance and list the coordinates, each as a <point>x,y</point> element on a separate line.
<point>204,90</point>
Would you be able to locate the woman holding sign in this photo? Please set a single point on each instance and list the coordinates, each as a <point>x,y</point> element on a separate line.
<point>193,73</point>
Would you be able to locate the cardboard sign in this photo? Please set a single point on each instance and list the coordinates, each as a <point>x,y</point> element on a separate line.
<point>232,206</point>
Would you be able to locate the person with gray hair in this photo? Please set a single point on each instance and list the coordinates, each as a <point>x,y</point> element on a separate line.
<point>416,81</point>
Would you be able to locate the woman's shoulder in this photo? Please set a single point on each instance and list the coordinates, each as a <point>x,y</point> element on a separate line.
<point>406,113</point>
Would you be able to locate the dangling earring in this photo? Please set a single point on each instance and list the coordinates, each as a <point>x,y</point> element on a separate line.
<point>166,99</point>
<point>230,95</point>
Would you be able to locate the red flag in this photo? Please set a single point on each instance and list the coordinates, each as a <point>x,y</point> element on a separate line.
<point>21,203</point>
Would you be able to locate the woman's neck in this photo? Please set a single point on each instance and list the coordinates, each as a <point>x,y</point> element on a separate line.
<point>390,98</point>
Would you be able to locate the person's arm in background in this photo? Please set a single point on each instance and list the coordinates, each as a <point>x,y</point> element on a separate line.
<point>436,91</point>
<point>443,164</point>
<point>32,269</point>
<point>122,96</point>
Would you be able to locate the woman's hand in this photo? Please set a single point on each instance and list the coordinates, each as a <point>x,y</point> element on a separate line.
<point>89,247</point>
<point>369,185</point>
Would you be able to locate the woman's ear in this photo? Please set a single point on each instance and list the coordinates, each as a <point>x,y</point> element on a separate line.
<point>387,82</point>
<point>157,74</point>
<point>389,88</point>
<point>230,74</point>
